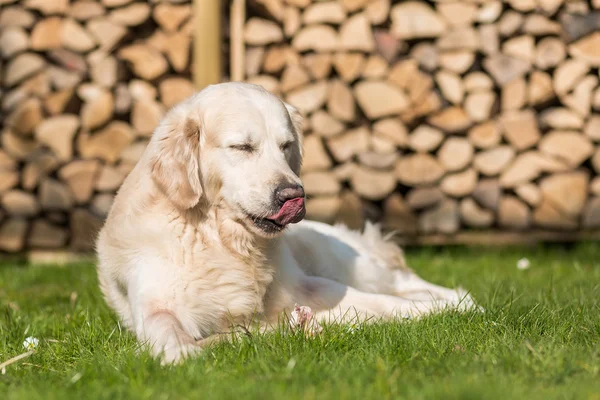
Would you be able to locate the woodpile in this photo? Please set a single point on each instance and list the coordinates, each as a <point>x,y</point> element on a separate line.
<point>83,84</point>
<point>440,117</point>
<point>433,117</point>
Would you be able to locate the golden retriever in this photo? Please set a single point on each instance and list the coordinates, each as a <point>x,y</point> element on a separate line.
<point>200,235</point>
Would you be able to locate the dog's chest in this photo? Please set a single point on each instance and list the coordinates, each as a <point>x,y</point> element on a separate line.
<point>225,290</point>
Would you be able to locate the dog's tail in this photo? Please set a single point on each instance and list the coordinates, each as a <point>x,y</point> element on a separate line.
<point>384,247</point>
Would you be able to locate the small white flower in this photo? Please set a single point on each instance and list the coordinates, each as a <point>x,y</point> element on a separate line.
<point>351,330</point>
<point>523,264</point>
<point>31,343</point>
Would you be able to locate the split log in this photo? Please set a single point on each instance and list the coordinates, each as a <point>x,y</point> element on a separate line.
<point>455,154</point>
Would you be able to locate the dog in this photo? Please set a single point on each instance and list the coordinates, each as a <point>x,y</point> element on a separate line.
<point>206,233</point>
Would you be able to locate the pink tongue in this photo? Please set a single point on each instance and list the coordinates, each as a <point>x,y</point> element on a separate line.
<point>291,212</point>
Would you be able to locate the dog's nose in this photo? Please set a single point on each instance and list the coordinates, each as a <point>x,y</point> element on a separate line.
<point>288,191</point>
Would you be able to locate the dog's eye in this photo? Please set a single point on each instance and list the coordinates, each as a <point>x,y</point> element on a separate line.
<point>286,146</point>
<point>246,147</point>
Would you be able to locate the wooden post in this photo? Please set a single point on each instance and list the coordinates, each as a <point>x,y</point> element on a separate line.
<point>207,43</point>
<point>237,18</point>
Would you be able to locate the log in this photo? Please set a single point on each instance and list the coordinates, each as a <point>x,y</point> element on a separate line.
<point>493,161</point>
<point>106,32</point>
<point>86,10</point>
<point>320,184</point>
<point>540,88</point>
<point>47,34</point>
<point>458,14</point>
<point>146,62</point>
<point>316,157</point>
<point>451,86</point>
<point>379,99</point>
<point>349,65</point>
<point>98,106</point>
<point>21,67</point>
<point>514,95</point>
<point>170,16</point>
<point>520,47</point>
<point>318,65</point>
<point>569,146</point>
<point>253,60</point>
<point>392,129</point>
<point>412,20</point>
<point>509,23</point>
<point>561,118</point>
<point>344,147</point>
<point>398,216</point>
<point>74,37</point>
<point>425,139</point>
<point>291,21</point>
<point>459,184</point>
<point>477,81</point>
<point>375,67</point>
<point>455,154</point>
<point>132,15</point>
<point>568,74</point>
<point>580,100</point>
<point>529,193</point>
<point>529,166</point>
<point>504,68</point>
<point>372,184</point>
<point>340,102</point>
<point>426,55</point>
<point>587,49</point>
<point>106,144</point>
<point>489,39</point>
<point>451,120</point>
<point>520,128</point>
<point>324,13</point>
<point>16,16</point>
<point>378,11</point>
<point>13,40</point>
<point>421,198</point>
<point>418,169</point>
<point>457,61</point>
<point>318,38</point>
<point>478,106</point>
<point>79,176</point>
<point>48,7</point>
<point>474,215</point>
<point>145,116</point>
<point>309,98</point>
<point>178,51</point>
<point>174,90</point>
<point>355,34</point>
<point>513,213</point>
<point>550,52</point>
<point>57,133</point>
<point>325,125</point>
<point>104,71</point>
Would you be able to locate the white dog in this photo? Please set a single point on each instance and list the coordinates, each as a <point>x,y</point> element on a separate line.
<point>199,236</point>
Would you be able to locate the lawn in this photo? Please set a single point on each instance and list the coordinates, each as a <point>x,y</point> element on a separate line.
<point>539,338</point>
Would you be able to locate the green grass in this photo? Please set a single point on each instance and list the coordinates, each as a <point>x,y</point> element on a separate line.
<point>539,338</point>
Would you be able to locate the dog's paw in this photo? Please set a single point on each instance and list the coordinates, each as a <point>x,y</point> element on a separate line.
<point>178,353</point>
<point>303,318</point>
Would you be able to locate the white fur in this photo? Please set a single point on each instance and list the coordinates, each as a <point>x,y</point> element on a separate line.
<point>181,260</point>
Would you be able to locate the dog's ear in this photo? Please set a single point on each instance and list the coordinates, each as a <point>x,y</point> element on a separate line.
<point>174,163</point>
<point>297,123</point>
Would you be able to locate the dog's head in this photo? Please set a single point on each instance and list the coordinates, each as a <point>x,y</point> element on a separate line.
<point>233,145</point>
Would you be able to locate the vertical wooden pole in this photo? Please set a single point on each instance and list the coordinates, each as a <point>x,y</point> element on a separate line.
<point>237,17</point>
<point>207,43</point>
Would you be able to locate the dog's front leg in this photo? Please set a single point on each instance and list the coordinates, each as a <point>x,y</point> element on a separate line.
<point>167,339</point>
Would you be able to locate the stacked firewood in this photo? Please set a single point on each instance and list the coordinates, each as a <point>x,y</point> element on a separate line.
<point>439,117</point>
<point>84,83</point>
